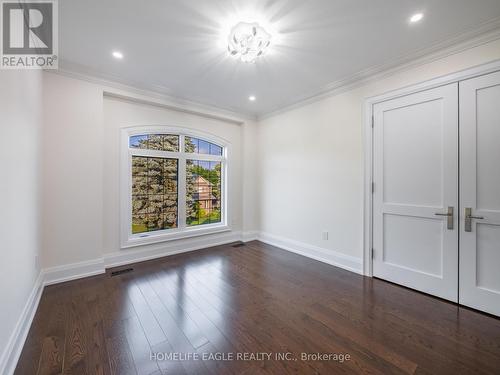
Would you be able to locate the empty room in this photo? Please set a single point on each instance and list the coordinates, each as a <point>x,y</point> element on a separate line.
<point>249,187</point>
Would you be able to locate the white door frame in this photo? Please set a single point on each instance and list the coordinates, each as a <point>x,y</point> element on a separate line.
<point>368,143</point>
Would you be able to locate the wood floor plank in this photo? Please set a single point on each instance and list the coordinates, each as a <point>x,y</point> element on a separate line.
<point>289,292</point>
<point>98,362</point>
<point>251,299</point>
<point>216,339</point>
<point>76,345</point>
<point>152,328</point>
<point>139,346</point>
<point>53,347</point>
<point>120,357</point>
<point>175,334</point>
<point>29,360</point>
<point>167,366</point>
<point>276,312</point>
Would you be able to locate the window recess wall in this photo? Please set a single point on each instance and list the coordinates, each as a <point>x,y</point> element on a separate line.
<point>120,114</point>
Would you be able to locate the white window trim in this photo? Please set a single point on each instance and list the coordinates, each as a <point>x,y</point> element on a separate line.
<point>127,239</point>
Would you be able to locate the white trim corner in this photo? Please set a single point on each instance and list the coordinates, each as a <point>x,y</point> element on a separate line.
<point>14,347</point>
<point>249,236</point>
<point>60,274</point>
<point>331,257</point>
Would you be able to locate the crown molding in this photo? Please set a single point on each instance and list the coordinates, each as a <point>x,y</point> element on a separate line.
<point>486,33</point>
<point>152,100</point>
<point>149,94</point>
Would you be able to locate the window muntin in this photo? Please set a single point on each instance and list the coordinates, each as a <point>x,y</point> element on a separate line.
<point>200,146</point>
<point>154,194</point>
<point>177,186</point>
<point>203,192</point>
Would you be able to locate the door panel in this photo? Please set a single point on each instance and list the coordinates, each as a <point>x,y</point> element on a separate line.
<point>407,132</point>
<point>416,176</point>
<point>488,257</point>
<point>413,243</point>
<point>480,191</point>
<point>488,150</point>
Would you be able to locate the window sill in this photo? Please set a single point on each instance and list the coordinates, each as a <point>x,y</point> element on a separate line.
<point>172,235</point>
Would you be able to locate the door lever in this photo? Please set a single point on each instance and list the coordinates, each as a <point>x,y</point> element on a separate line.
<point>468,219</point>
<point>449,214</point>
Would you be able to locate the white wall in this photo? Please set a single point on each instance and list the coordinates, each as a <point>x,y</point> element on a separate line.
<point>72,223</point>
<point>20,125</point>
<point>311,162</point>
<point>250,224</point>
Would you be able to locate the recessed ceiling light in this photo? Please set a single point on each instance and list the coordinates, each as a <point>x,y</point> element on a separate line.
<point>416,17</point>
<point>252,98</point>
<point>248,41</point>
<point>117,55</point>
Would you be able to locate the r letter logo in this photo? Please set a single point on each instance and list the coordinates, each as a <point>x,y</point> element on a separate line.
<point>29,34</point>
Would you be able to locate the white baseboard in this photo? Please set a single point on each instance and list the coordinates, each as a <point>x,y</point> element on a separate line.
<point>60,274</point>
<point>12,351</point>
<point>249,236</point>
<point>331,257</point>
<point>128,256</point>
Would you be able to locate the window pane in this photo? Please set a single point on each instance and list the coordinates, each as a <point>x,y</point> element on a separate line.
<point>155,142</point>
<point>203,192</point>
<point>160,142</point>
<point>139,141</point>
<point>139,166</point>
<point>171,143</point>
<point>215,177</point>
<point>215,150</point>
<point>154,194</point>
<point>191,144</point>
<point>203,147</point>
<point>199,146</point>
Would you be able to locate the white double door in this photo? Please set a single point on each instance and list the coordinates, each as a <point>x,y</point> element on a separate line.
<point>436,200</point>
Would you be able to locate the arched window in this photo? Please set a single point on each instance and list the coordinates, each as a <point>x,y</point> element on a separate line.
<point>174,185</point>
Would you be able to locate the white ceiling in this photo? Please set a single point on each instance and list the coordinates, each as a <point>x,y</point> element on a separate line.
<point>174,46</point>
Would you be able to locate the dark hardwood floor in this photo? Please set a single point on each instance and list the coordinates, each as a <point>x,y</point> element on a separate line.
<point>252,299</point>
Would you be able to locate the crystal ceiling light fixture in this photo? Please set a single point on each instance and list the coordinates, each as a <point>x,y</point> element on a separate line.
<point>248,41</point>
<point>416,18</point>
<point>117,55</point>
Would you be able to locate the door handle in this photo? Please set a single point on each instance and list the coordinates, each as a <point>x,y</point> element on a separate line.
<point>468,219</point>
<point>449,214</point>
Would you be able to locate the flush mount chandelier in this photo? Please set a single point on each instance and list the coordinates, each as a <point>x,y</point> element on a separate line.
<point>248,41</point>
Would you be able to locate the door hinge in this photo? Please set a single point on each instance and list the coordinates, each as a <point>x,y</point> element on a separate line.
<point>373,253</point>
<point>373,121</point>
<point>373,187</point>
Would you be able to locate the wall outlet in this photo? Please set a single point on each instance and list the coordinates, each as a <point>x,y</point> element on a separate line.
<point>325,236</point>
